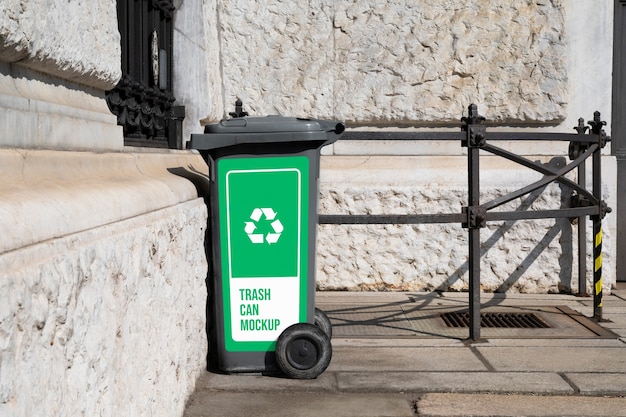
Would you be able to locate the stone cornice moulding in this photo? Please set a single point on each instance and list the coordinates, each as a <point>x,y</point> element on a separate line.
<point>49,194</point>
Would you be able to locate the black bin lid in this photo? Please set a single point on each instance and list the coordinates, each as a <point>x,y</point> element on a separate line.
<point>268,129</point>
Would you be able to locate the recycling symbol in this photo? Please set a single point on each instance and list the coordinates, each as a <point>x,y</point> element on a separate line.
<point>269,215</point>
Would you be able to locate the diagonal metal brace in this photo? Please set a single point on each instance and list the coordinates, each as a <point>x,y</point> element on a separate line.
<point>550,175</point>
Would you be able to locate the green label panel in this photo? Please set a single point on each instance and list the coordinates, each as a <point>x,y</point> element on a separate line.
<point>264,214</point>
<point>264,244</point>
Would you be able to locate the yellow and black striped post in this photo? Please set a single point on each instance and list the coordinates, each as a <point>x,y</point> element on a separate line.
<point>596,129</point>
<point>597,268</point>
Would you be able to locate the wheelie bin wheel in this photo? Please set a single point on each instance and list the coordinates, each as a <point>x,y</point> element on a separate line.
<point>323,322</point>
<point>303,351</point>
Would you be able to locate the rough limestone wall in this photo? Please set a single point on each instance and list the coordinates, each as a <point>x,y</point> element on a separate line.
<point>397,62</point>
<point>529,257</point>
<point>107,322</point>
<point>76,40</point>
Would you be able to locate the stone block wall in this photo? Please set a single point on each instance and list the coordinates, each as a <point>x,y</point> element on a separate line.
<point>108,321</point>
<point>102,262</point>
<point>102,282</point>
<point>396,62</point>
<point>197,68</point>
<point>74,41</point>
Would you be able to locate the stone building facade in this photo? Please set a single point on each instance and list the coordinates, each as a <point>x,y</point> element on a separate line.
<point>395,66</point>
<point>102,259</point>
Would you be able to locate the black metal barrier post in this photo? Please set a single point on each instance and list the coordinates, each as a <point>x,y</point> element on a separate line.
<point>474,136</point>
<point>474,140</point>
<point>596,128</point>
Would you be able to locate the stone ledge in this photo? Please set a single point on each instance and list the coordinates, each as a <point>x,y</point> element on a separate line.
<point>48,194</point>
<point>39,111</point>
<point>426,170</point>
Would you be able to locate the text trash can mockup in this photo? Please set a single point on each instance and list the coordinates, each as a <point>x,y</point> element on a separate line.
<point>263,214</point>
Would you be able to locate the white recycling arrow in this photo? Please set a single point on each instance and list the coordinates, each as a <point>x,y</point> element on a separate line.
<point>270,214</point>
<point>256,238</point>
<point>250,227</point>
<point>256,214</point>
<point>277,226</point>
<point>272,237</point>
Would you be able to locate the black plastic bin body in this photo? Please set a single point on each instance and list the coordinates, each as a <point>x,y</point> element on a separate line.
<point>263,215</point>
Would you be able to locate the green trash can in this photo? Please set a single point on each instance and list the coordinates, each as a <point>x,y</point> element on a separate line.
<point>263,224</point>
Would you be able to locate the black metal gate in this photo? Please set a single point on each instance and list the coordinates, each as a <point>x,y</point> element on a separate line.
<point>143,100</point>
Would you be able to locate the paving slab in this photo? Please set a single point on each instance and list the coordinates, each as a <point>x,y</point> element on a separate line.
<point>209,381</point>
<point>289,404</point>
<point>387,319</point>
<point>431,342</point>
<point>615,319</point>
<point>617,308</point>
<point>599,383</point>
<point>450,298</point>
<point>571,302</point>
<point>377,359</point>
<point>522,300</point>
<point>512,382</point>
<point>565,343</point>
<point>367,297</point>
<point>617,327</point>
<point>619,293</point>
<point>483,405</point>
<point>608,303</point>
<point>555,358</point>
<point>485,297</point>
<point>585,310</point>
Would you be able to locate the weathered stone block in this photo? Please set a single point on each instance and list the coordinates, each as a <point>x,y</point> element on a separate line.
<point>76,41</point>
<point>396,62</point>
<point>108,322</point>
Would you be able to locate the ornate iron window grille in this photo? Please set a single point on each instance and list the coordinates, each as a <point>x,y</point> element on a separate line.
<point>143,100</point>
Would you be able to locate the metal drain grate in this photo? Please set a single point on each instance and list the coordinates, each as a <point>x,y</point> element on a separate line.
<point>496,320</point>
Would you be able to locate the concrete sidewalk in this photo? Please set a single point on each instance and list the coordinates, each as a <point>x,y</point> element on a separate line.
<point>393,372</point>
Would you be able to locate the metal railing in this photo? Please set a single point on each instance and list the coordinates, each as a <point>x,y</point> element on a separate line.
<point>587,142</point>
